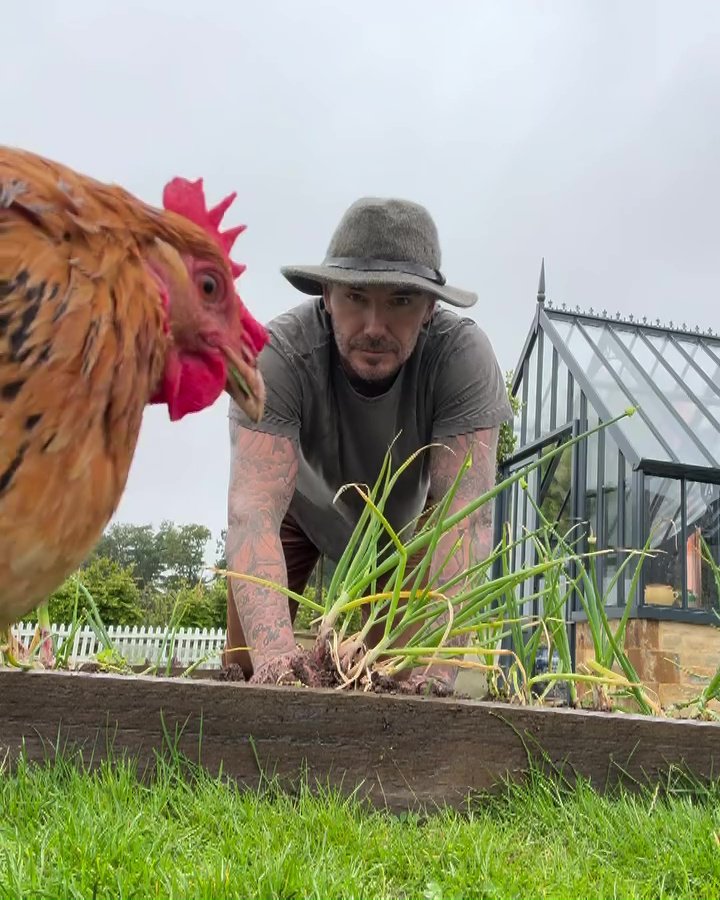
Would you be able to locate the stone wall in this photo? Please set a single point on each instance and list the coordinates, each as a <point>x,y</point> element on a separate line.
<point>673,659</point>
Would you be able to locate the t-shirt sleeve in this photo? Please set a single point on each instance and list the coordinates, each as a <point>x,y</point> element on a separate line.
<point>283,394</point>
<point>469,391</point>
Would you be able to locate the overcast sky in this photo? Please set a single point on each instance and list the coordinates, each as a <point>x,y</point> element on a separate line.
<point>585,131</point>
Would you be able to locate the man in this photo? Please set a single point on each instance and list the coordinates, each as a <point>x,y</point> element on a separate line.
<point>370,357</point>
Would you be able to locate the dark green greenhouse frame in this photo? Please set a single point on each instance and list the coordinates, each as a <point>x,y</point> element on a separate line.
<point>657,471</point>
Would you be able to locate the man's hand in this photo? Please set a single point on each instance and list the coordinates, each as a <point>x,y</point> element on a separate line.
<point>262,481</point>
<point>298,667</point>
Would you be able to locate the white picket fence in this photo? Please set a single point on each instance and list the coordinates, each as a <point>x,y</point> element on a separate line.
<point>140,645</point>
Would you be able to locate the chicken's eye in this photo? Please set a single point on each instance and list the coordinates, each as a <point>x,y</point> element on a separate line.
<point>209,286</point>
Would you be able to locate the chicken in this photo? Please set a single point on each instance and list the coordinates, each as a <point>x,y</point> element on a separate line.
<point>106,304</point>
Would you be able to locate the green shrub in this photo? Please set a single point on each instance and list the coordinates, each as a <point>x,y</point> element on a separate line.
<point>507,439</point>
<point>111,586</point>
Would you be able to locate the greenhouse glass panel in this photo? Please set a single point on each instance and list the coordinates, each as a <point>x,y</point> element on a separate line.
<point>522,521</point>
<point>705,419</point>
<point>629,539</point>
<point>591,480</point>
<point>663,519</point>
<point>525,549</point>
<point>691,417</point>
<point>570,334</point>
<point>530,377</point>
<point>625,532</point>
<point>561,416</point>
<point>610,505</point>
<point>517,422</point>
<point>577,401</point>
<point>555,496</point>
<point>514,511</point>
<point>675,352</point>
<point>651,366</point>
<point>702,544</point>
<point>707,358</point>
<point>655,408</point>
<point>547,386</point>
<point>615,399</point>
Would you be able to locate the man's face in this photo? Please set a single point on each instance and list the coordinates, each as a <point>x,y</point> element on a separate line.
<point>376,328</point>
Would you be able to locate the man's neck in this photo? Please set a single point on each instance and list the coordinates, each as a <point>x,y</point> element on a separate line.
<point>368,388</point>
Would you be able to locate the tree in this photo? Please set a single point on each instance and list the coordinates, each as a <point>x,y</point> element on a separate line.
<point>182,550</point>
<point>166,567</point>
<point>167,558</point>
<point>221,551</point>
<point>135,547</point>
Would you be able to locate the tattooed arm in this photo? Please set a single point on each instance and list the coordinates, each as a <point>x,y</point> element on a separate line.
<point>262,481</point>
<point>474,532</point>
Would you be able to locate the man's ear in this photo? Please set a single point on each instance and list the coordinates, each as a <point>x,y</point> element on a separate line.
<point>326,298</point>
<point>430,311</point>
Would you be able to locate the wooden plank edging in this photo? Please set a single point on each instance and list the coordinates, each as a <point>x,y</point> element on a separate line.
<point>402,752</point>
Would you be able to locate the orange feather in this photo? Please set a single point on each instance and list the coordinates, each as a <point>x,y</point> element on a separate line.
<point>82,348</point>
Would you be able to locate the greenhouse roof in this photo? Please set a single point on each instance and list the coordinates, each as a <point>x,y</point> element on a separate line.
<point>669,373</point>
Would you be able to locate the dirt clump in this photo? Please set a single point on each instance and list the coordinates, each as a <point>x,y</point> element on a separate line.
<point>90,668</point>
<point>233,672</point>
<point>318,668</point>
<point>417,686</point>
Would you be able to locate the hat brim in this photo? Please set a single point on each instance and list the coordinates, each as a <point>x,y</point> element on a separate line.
<point>310,280</point>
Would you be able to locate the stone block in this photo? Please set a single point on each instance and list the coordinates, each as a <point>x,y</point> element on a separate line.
<point>674,660</point>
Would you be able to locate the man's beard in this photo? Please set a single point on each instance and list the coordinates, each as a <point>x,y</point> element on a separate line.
<point>376,378</point>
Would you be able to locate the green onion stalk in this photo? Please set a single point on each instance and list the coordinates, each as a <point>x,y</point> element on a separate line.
<point>608,645</point>
<point>375,573</point>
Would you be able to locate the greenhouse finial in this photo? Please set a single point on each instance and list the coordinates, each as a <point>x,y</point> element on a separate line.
<point>541,283</point>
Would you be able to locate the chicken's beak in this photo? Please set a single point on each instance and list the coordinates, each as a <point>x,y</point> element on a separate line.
<point>244,382</point>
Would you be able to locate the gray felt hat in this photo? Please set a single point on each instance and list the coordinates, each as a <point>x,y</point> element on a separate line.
<point>382,242</point>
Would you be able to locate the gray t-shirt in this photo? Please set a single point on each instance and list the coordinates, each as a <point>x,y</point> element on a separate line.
<point>452,384</point>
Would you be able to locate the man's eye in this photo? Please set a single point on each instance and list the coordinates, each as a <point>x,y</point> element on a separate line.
<point>401,301</point>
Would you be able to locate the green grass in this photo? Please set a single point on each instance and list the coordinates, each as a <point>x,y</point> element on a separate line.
<point>67,833</point>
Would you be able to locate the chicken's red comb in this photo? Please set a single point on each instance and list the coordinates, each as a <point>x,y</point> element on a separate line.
<point>187,198</point>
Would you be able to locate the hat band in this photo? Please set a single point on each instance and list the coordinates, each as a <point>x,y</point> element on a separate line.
<point>364,264</point>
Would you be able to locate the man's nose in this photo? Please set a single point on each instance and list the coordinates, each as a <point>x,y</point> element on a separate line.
<point>375,323</point>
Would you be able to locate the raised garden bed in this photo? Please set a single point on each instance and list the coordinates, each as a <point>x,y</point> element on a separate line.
<point>400,752</point>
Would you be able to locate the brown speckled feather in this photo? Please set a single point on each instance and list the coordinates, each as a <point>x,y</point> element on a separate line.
<point>82,347</point>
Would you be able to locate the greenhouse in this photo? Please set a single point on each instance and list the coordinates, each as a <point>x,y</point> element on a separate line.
<point>655,474</point>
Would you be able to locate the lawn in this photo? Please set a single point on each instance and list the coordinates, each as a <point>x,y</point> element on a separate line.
<point>68,833</point>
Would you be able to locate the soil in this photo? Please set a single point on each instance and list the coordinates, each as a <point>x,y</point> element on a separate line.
<point>316,668</point>
<point>91,668</point>
<point>381,684</point>
<point>230,673</point>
